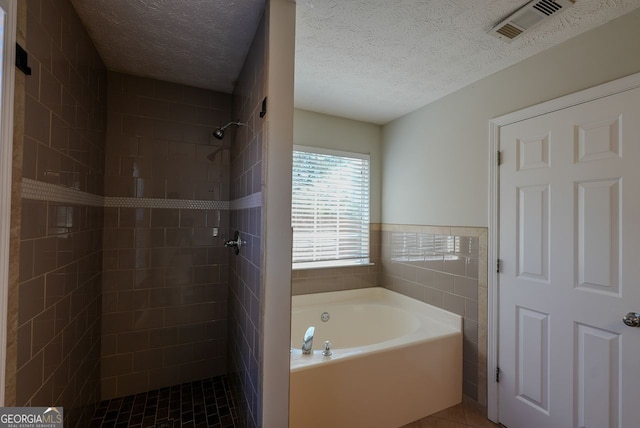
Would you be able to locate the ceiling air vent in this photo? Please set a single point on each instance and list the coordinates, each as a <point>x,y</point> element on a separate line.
<point>527,17</point>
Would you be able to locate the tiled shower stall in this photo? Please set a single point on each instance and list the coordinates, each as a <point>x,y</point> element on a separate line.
<point>122,203</point>
<point>164,294</point>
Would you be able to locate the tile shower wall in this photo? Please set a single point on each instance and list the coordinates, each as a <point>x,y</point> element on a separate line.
<point>60,259</point>
<point>445,267</point>
<point>165,273</point>
<point>245,274</point>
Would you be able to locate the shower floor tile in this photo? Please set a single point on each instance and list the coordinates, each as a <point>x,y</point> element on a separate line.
<point>202,403</point>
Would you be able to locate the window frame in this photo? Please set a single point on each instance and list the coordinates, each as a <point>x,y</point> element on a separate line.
<point>366,224</point>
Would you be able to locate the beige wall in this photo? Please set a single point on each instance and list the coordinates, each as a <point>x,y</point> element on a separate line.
<point>337,133</point>
<point>435,159</point>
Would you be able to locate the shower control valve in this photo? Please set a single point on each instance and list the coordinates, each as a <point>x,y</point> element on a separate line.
<point>235,243</point>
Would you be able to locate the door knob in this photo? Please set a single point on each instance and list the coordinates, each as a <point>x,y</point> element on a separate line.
<point>632,319</point>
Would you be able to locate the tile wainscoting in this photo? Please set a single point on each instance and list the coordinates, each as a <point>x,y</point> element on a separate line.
<point>321,280</point>
<point>445,266</point>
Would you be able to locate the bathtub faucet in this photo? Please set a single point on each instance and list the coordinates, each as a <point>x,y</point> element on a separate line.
<point>307,342</point>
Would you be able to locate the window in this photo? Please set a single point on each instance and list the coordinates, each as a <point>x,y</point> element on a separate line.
<point>330,208</point>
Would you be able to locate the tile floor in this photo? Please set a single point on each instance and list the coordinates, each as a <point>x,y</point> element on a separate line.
<point>208,403</point>
<point>202,403</point>
<point>460,416</point>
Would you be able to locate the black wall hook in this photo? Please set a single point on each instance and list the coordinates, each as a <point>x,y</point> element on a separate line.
<point>22,60</point>
<point>264,107</point>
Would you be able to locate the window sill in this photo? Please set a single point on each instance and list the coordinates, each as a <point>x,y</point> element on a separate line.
<point>331,264</point>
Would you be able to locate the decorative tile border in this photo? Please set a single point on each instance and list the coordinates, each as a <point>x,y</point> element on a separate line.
<point>184,204</point>
<point>250,201</point>
<point>40,191</point>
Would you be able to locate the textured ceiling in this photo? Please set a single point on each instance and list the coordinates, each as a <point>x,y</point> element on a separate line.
<point>201,43</point>
<point>370,60</point>
<point>376,60</point>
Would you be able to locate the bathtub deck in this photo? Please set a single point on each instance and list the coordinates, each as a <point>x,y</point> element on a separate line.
<point>383,384</point>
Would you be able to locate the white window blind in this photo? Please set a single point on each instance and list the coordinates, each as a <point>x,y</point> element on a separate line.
<point>330,207</point>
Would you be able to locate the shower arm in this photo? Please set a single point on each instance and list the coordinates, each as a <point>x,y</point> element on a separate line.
<point>219,132</point>
<point>237,123</point>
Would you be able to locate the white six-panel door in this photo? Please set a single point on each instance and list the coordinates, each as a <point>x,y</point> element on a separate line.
<point>569,245</point>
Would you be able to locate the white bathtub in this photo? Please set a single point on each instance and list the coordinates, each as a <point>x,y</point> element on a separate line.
<point>395,360</point>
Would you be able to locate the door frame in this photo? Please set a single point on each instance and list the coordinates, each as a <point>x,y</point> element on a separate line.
<point>6,163</point>
<point>493,251</point>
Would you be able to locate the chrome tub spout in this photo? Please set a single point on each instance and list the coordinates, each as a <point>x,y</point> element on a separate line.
<point>307,341</point>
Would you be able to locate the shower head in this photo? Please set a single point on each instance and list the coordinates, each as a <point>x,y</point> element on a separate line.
<point>219,132</point>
